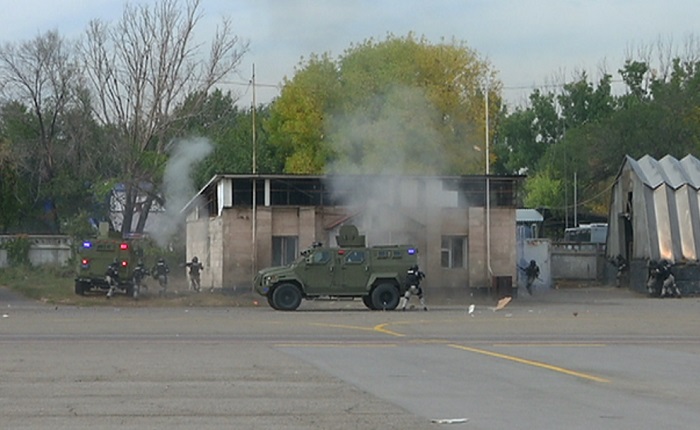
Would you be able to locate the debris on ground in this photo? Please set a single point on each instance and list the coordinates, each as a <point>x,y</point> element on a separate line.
<point>502,303</point>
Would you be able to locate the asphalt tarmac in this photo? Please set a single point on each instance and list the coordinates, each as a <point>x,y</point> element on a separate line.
<point>586,358</point>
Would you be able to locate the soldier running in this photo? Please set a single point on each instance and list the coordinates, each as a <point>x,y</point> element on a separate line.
<point>532,272</point>
<point>140,272</point>
<point>112,277</point>
<point>413,279</point>
<point>195,267</point>
<point>160,272</point>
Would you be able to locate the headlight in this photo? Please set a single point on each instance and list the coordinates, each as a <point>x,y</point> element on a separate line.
<point>270,280</point>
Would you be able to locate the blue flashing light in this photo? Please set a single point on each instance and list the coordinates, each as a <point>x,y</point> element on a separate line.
<point>87,244</point>
<point>411,251</point>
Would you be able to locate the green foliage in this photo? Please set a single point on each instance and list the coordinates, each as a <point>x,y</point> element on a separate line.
<point>230,129</point>
<point>587,131</point>
<point>297,117</point>
<point>543,191</point>
<point>18,250</point>
<point>383,106</point>
<point>78,226</point>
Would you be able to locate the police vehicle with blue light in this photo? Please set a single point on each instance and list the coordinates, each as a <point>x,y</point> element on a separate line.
<point>351,270</point>
<point>107,251</point>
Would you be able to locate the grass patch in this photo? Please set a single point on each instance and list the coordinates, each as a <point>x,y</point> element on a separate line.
<point>47,284</point>
<point>55,285</point>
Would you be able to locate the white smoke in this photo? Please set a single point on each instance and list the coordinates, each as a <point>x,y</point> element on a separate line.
<point>178,185</point>
<point>392,138</point>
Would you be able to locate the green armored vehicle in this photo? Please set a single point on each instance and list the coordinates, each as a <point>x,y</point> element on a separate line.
<point>94,255</point>
<point>352,270</point>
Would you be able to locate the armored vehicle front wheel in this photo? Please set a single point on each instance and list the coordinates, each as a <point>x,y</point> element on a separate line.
<point>385,297</point>
<point>286,297</point>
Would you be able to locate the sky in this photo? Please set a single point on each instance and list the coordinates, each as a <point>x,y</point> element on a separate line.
<point>530,43</point>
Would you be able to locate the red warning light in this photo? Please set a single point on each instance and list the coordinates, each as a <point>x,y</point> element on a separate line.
<point>341,252</point>
<point>124,246</point>
<point>125,263</point>
<point>84,261</point>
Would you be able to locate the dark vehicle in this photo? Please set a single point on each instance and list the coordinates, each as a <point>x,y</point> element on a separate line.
<point>352,270</point>
<point>94,256</point>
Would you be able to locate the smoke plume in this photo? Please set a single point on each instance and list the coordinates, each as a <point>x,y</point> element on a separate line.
<point>178,185</point>
<point>390,139</point>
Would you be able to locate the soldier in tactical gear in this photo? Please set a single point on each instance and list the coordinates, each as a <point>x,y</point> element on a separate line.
<point>195,267</point>
<point>621,265</point>
<point>660,273</point>
<point>160,272</point>
<point>413,279</point>
<point>139,273</point>
<point>532,272</point>
<point>112,277</point>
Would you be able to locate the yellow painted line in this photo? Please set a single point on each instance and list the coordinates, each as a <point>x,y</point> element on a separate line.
<point>335,345</point>
<point>381,329</point>
<point>555,345</point>
<point>532,363</point>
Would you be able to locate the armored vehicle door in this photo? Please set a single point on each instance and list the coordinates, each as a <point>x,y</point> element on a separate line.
<point>318,271</point>
<point>354,270</point>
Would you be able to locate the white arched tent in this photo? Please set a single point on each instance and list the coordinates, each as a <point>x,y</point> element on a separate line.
<point>655,210</point>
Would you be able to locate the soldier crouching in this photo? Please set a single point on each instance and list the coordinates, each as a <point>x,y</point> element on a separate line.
<point>661,281</point>
<point>413,279</point>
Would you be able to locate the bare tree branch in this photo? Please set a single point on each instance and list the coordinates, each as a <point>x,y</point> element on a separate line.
<point>144,66</point>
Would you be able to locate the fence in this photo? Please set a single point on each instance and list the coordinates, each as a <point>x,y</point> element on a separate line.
<point>44,250</point>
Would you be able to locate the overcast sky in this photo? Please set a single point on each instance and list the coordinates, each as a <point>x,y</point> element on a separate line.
<point>529,42</point>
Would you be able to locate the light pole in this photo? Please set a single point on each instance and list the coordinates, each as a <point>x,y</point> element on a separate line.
<point>489,272</point>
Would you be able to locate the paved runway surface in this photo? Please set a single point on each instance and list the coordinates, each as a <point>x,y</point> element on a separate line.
<point>576,359</point>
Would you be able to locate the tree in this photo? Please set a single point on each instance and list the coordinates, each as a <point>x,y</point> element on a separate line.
<point>230,130</point>
<point>297,117</point>
<point>38,77</point>
<point>384,106</point>
<point>139,70</point>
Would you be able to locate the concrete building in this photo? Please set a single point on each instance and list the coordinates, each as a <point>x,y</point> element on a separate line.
<point>239,224</point>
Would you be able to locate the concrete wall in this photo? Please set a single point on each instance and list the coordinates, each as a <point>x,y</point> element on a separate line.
<point>585,261</point>
<point>44,250</point>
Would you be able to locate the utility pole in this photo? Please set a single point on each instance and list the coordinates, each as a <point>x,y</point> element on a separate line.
<point>254,226</point>
<point>489,272</point>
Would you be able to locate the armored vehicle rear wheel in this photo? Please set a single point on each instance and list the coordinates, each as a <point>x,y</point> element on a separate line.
<point>385,297</point>
<point>286,297</point>
<point>367,300</point>
<point>80,288</point>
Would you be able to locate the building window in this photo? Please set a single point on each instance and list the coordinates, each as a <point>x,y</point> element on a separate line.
<point>452,252</point>
<point>284,249</point>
